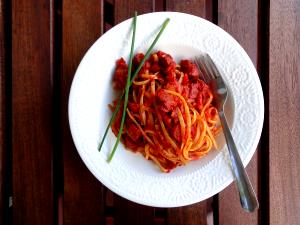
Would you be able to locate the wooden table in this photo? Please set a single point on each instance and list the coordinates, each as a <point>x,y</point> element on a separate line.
<point>42,178</point>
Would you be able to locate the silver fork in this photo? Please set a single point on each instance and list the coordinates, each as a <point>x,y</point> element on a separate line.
<point>212,76</point>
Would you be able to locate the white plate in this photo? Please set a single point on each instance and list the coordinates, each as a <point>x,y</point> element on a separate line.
<point>130,175</point>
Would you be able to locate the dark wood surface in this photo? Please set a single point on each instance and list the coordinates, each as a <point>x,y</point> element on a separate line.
<point>41,45</point>
<point>32,130</point>
<point>284,108</point>
<point>3,112</point>
<point>83,195</point>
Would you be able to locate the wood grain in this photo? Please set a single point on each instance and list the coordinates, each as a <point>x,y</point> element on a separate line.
<point>128,212</point>
<point>83,201</point>
<point>159,5</point>
<point>284,108</point>
<point>239,18</point>
<point>195,7</point>
<point>125,9</point>
<point>32,112</point>
<point>3,112</point>
<point>192,215</point>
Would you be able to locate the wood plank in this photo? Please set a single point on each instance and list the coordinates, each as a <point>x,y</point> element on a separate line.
<point>125,9</point>
<point>83,194</point>
<point>3,111</point>
<point>197,213</point>
<point>239,18</point>
<point>32,107</point>
<point>284,108</point>
<point>192,215</point>
<point>159,5</point>
<point>128,212</point>
<point>200,8</point>
<point>134,213</point>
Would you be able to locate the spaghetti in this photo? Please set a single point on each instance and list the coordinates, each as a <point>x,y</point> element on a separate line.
<point>170,118</point>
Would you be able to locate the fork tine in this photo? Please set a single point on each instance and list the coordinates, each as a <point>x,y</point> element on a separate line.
<point>213,65</point>
<point>202,68</point>
<point>197,61</point>
<point>208,67</point>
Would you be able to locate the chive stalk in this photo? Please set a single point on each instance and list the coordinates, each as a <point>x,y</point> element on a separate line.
<point>126,91</point>
<point>131,79</point>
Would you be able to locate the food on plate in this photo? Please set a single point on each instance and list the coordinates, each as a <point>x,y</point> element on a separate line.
<point>170,118</point>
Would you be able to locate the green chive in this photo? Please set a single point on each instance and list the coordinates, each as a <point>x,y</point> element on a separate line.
<point>147,55</point>
<point>150,49</point>
<point>126,91</point>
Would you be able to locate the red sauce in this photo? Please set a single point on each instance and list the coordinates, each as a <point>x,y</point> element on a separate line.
<point>158,104</point>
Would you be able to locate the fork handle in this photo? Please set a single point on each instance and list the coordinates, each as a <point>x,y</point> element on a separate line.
<point>247,195</point>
